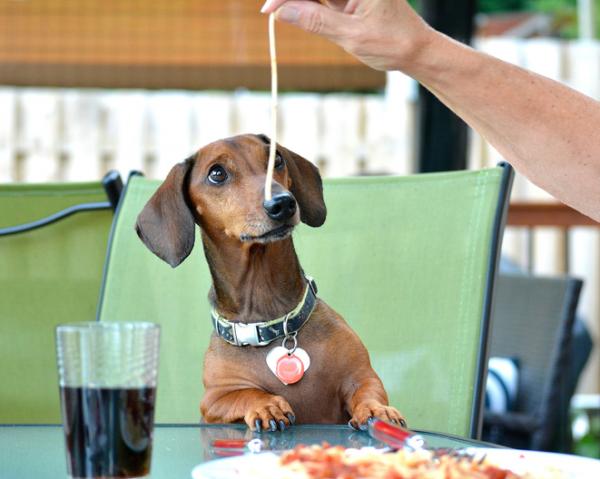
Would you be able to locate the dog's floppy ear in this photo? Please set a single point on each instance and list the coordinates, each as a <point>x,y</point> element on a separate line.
<point>307,188</point>
<point>166,224</point>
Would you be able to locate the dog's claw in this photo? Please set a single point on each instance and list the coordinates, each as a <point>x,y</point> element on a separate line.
<point>273,425</point>
<point>258,425</point>
<point>282,425</point>
<point>291,418</point>
<point>403,423</point>
<point>365,426</point>
<point>352,426</point>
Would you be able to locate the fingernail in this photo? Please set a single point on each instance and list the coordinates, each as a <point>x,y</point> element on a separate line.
<point>288,14</point>
<point>265,6</point>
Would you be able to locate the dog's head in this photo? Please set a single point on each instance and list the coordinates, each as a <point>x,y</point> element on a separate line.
<point>221,188</point>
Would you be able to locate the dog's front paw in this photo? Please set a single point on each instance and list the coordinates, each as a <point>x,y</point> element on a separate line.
<point>369,409</point>
<point>270,415</point>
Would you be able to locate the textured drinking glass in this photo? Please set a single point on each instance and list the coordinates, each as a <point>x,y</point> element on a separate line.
<point>107,374</point>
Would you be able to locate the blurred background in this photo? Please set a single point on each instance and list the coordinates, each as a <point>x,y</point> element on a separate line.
<point>92,85</point>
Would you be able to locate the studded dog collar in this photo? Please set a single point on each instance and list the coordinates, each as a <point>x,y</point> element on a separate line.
<point>262,334</point>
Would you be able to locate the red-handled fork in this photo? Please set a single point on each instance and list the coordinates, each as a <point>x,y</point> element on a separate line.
<point>236,447</point>
<point>395,437</point>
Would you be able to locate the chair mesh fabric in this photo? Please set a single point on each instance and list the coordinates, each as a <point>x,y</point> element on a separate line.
<point>404,260</point>
<point>48,276</point>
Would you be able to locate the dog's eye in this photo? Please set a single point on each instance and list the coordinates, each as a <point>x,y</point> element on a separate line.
<point>217,175</point>
<point>278,160</point>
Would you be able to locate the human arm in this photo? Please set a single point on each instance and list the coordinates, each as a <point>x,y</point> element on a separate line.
<point>545,129</point>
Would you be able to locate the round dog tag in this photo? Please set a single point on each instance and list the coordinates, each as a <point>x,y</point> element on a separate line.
<point>289,368</point>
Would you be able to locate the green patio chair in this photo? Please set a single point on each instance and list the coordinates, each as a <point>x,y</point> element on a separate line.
<point>410,262</point>
<point>52,248</point>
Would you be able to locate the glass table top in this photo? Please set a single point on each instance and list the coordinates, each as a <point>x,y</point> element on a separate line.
<point>38,451</point>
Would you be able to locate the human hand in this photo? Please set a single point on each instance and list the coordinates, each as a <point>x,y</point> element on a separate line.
<point>384,34</point>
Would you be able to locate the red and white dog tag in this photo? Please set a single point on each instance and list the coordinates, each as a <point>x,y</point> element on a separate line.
<point>288,366</point>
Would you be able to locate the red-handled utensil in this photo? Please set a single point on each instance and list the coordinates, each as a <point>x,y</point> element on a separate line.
<point>395,437</point>
<point>236,447</point>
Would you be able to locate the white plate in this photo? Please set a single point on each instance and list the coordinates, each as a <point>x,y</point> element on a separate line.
<point>540,463</point>
<point>250,465</point>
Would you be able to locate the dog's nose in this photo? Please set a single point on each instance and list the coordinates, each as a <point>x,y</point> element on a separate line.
<point>281,207</point>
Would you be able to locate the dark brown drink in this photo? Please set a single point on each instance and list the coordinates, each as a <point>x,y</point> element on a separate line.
<point>108,431</point>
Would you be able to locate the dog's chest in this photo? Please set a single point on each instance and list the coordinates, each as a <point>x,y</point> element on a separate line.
<point>316,398</point>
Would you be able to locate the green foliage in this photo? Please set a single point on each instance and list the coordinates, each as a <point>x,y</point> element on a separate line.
<point>501,5</point>
<point>552,6</point>
<point>563,11</point>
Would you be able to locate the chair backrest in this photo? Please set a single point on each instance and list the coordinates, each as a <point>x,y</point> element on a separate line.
<point>533,323</point>
<point>408,261</point>
<point>49,275</point>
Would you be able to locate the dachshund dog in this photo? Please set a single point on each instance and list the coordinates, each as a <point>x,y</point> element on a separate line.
<point>260,295</point>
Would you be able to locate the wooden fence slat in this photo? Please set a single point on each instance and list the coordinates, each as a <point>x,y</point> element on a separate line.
<point>584,67</point>
<point>544,56</point>
<point>79,148</point>
<point>400,97</point>
<point>171,117</point>
<point>212,117</point>
<point>252,113</point>
<point>341,138</point>
<point>122,130</point>
<point>7,119</point>
<point>376,156</point>
<point>37,138</point>
<point>300,124</point>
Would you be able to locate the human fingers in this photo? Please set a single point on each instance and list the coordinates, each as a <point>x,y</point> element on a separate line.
<point>315,18</point>
<point>384,34</point>
<point>271,5</point>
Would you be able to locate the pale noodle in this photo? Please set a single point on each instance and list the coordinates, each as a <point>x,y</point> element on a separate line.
<point>273,147</point>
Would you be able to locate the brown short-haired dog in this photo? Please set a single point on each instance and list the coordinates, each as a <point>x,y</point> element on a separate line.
<point>279,354</point>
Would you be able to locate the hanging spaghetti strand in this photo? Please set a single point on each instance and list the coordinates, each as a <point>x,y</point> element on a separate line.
<point>273,146</point>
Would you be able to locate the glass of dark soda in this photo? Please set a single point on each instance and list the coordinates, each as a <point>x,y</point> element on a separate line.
<point>107,374</point>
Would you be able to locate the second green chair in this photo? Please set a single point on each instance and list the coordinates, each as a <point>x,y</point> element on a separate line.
<point>53,241</point>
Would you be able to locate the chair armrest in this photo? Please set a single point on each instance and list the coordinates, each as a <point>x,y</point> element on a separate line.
<point>512,421</point>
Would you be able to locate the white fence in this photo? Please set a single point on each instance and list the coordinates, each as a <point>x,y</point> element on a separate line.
<point>57,134</point>
<point>69,134</point>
